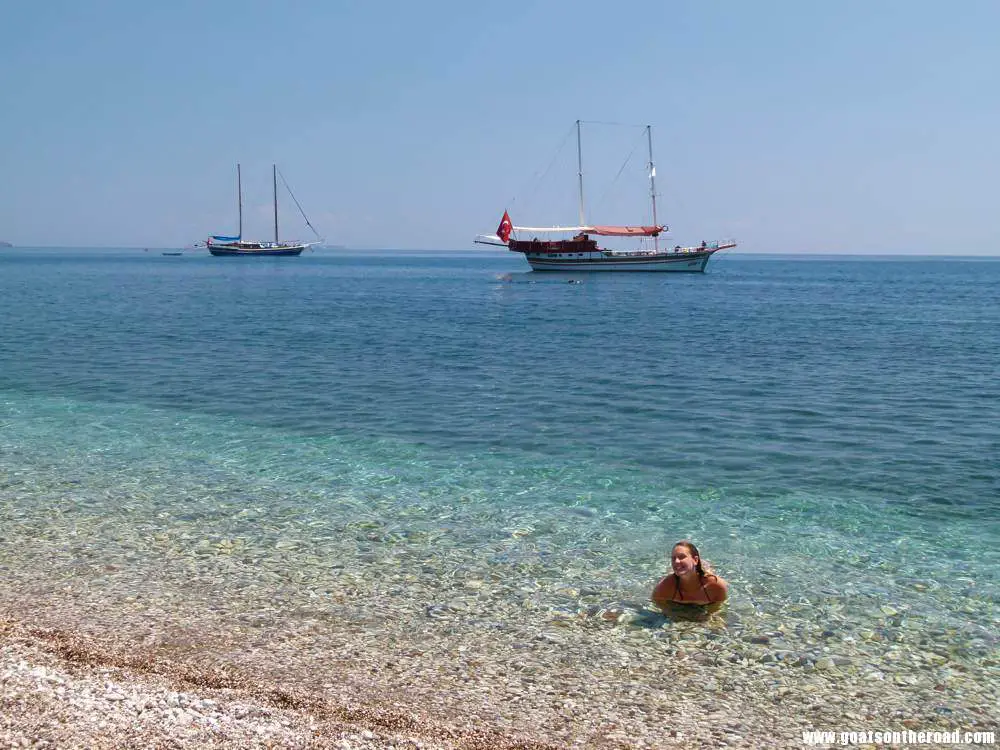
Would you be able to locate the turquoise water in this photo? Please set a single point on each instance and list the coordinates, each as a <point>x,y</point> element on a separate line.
<point>827,430</point>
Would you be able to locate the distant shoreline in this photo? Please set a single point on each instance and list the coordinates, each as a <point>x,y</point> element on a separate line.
<point>488,252</point>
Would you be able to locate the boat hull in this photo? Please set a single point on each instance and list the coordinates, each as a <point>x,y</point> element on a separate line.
<point>683,262</point>
<point>261,249</point>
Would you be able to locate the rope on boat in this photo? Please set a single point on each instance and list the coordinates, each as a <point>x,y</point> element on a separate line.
<point>537,178</point>
<point>297,205</point>
<point>628,158</point>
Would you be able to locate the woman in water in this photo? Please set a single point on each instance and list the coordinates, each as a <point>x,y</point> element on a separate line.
<point>691,582</point>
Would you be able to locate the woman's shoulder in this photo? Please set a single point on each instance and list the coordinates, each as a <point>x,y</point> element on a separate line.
<point>662,592</point>
<point>717,588</point>
<point>667,580</point>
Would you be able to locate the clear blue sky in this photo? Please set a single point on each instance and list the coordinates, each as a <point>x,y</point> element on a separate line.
<point>794,126</point>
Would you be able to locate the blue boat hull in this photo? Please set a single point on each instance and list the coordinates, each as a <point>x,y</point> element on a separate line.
<point>222,250</point>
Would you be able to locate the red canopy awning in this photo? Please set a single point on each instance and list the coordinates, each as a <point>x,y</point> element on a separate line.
<point>626,231</point>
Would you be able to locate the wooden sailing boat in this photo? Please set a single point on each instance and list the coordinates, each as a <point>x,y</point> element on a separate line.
<point>235,245</point>
<point>581,253</point>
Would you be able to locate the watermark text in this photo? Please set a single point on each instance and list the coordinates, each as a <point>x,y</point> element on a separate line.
<point>901,737</point>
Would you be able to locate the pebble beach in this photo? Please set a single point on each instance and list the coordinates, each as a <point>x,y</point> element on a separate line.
<point>603,678</point>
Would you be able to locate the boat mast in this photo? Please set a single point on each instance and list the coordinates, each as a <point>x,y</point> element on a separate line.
<point>239,196</point>
<point>274,178</point>
<point>652,184</point>
<point>579,165</point>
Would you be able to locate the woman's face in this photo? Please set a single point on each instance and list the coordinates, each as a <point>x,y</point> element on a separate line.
<point>682,561</point>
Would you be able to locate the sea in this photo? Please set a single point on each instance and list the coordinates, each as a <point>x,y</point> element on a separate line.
<point>437,434</point>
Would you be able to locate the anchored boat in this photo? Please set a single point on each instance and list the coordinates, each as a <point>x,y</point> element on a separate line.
<point>582,253</point>
<point>235,245</point>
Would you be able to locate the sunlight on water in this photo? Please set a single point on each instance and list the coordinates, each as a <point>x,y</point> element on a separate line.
<point>135,502</point>
<point>265,453</point>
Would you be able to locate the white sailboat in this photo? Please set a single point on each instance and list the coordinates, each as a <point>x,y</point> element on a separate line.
<point>581,253</point>
<point>235,245</point>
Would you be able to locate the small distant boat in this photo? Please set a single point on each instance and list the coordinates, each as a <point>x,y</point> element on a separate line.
<point>581,253</point>
<point>235,245</point>
<point>173,253</point>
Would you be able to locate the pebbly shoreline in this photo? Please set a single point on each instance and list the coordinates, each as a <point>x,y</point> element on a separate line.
<point>596,682</point>
<point>59,691</point>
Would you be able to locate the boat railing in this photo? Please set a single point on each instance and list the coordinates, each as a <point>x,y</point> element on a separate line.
<point>630,253</point>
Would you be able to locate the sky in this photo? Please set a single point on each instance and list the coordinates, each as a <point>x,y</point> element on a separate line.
<point>794,127</point>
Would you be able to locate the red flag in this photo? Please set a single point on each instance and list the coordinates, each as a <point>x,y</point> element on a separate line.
<point>504,230</point>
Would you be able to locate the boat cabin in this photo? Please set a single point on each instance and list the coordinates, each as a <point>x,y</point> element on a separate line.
<point>581,243</point>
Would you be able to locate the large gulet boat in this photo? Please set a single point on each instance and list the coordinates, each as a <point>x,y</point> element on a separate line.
<point>219,244</point>
<point>582,253</point>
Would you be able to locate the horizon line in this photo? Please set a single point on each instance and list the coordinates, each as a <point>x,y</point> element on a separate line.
<point>342,248</point>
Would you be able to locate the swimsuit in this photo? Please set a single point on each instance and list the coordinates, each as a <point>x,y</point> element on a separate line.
<point>679,593</point>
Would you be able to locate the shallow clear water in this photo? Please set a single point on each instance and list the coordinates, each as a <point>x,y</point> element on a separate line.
<point>826,430</point>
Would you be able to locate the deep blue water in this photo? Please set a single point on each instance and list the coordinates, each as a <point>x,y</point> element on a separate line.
<point>819,426</point>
